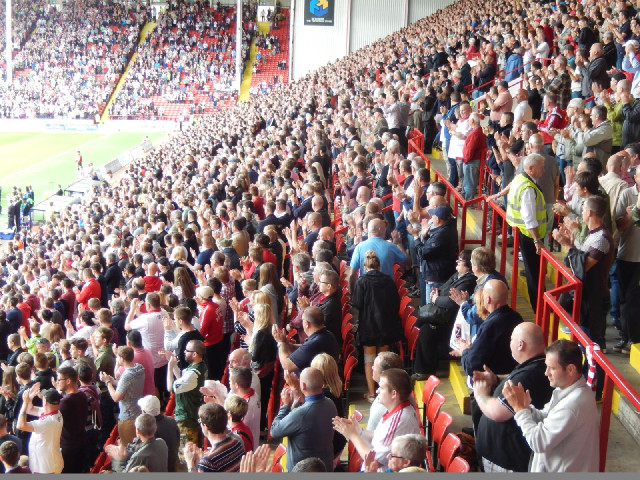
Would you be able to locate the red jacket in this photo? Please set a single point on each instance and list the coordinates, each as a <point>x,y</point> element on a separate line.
<point>554,119</point>
<point>90,290</point>
<point>475,145</point>
<point>211,323</point>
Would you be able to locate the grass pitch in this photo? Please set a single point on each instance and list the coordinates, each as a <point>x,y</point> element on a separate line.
<point>44,160</point>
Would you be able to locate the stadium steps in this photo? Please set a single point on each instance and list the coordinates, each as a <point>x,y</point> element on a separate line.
<point>148,28</point>
<point>263,27</point>
<point>627,418</point>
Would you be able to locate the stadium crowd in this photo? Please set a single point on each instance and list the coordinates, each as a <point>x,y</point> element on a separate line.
<point>149,287</point>
<point>72,60</point>
<point>189,56</point>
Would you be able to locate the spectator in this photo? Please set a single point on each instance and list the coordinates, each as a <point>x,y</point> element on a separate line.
<point>147,451</point>
<point>167,429</point>
<point>306,437</point>
<point>575,442</point>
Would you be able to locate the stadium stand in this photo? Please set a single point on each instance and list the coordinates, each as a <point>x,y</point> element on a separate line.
<point>216,231</point>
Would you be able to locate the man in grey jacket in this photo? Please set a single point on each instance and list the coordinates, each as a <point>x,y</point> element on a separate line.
<point>146,451</point>
<point>308,427</point>
<point>599,138</point>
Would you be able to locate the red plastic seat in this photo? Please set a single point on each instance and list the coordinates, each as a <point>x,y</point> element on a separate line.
<point>349,364</point>
<point>346,328</point>
<point>427,392</point>
<point>408,326</point>
<point>448,450</point>
<point>412,341</point>
<point>433,409</point>
<point>439,430</point>
<point>355,460</point>
<point>408,310</point>
<point>458,465</point>
<point>404,302</point>
<point>277,455</point>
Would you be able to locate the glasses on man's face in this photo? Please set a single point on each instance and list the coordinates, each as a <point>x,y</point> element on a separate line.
<point>322,281</point>
<point>391,455</point>
<point>61,380</point>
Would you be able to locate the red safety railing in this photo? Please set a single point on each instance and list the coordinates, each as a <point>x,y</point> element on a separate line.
<point>550,312</point>
<point>458,204</point>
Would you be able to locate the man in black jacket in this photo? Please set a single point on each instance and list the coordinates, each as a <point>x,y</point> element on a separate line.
<point>436,319</point>
<point>112,275</point>
<point>437,247</point>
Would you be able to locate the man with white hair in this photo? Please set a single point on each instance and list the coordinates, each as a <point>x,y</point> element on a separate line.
<point>526,211</point>
<point>475,146</point>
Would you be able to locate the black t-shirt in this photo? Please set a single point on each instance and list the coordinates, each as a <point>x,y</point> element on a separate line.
<point>73,408</point>
<point>322,341</point>
<point>502,442</point>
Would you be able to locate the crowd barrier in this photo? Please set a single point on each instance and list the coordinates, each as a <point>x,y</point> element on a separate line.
<point>549,310</point>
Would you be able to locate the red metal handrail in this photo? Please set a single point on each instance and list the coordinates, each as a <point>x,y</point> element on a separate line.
<point>458,200</point>
<point>549,313</point>
<point>499,212</point>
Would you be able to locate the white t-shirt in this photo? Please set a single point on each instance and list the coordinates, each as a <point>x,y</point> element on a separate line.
<point>151,328</point>
<point>44,446</point>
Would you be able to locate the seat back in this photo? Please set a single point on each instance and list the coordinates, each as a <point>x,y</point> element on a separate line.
<point>435,404</point>
<point>349,365</point>
<point>427,392</point>
<point>277,455</point>
<point>440,426</point>
<point>458,465</point>
<point>448,450</point>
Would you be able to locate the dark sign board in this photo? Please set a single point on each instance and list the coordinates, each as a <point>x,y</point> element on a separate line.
<point>318,12</point>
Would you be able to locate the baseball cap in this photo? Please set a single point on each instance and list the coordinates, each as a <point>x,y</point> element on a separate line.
<point>204,292</point>
<point>52,396</point>
<point>443,212</point>
<point>43,341</point>
<point>150,404</point>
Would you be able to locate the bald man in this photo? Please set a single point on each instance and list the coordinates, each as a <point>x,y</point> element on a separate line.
<point>388,253</point>
<point>499,443</point>
<point>309,427</point>
<point>490,347</point>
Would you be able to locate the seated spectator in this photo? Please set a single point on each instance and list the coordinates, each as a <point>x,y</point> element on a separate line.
<point>147,450</point>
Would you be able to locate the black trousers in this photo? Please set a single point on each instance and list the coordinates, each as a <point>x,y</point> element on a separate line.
<point>74,459</point>
<point>160,380</point>
<point>265,392</point>
<point>532,268</point>
<point>107,410</point>
<point>629,276</point>
<point>216,359</point>
<point>402,138</point>
<point>433,344</point>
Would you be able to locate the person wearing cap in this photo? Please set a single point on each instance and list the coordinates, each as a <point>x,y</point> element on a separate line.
<point>211,328</point>
<point>45,455</point>
<point>381,124</point>
<point>437,247</point>
<point>167,429</point>
<point>73,408</point>
<point>186,385</point>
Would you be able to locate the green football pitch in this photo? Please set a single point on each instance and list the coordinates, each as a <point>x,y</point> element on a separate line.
<point>45,160</point>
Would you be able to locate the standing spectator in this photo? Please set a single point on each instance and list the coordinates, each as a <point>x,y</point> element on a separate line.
<point>564,434</point>
<point>388,253</point>
<point>73,408</point>
<point>148,450</point>
<point>186,387</point>
<point>126,393</point>
<point>498,441</point>
<point>377,301</point>
<point>151,327</point>
<point>90,289</point>
<point>10,454</point>
<point>167,429</point>
<point>308,427</point>
<point>179,332</point>
<point>227,449</point>
<point>526,210</point>
<point>240,385</point>
<point>211,325</point>
<point>45,455</point>
<point>104,362</point>
<point>143,357</point>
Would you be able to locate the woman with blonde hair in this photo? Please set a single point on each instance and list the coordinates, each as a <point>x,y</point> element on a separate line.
<point>377,300</point>
<point>331,389</point>
<point>263,349</point>
<point>243,322</point>
<point>319,172</point>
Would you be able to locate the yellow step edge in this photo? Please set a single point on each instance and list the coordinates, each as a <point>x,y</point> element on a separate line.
<point>634,358</point>
<point>615,401</point>
<point>283,460</point>
<point>458,381</point>
<point>417,390</point>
